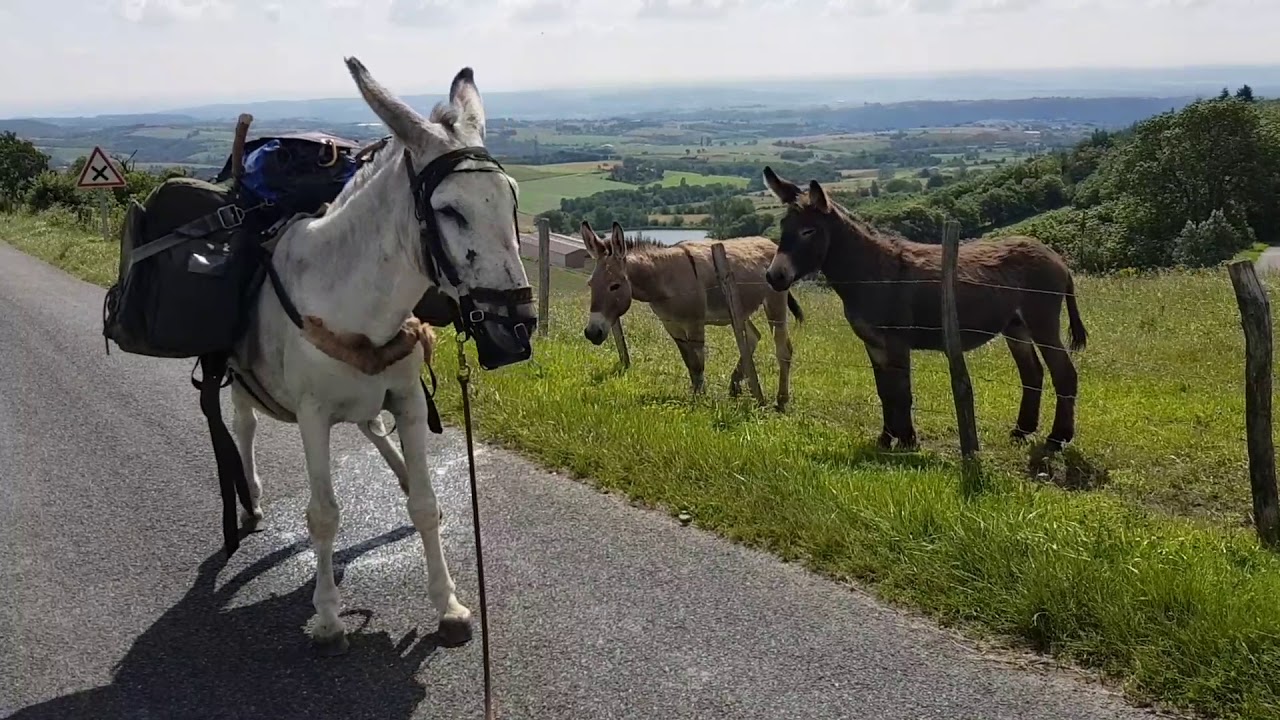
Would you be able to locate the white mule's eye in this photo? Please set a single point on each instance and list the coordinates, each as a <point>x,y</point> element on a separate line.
<point>452,213</point>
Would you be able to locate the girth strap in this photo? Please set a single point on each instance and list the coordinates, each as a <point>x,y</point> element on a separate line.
<point>231,478</point>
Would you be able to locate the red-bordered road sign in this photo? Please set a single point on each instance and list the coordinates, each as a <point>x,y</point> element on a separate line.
<point>100,173</point>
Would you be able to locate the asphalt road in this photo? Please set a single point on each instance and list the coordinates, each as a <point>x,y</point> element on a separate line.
<point>1269,261</point>
<point>114,602</point>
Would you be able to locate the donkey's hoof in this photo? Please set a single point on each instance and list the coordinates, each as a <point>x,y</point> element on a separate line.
<point>454,632</point>
<point>331,645</point>
<point>1056,443</point>
<point>1019,435</point>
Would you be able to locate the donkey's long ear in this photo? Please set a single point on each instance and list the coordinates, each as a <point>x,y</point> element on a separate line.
<point>465,97</point>
<point>618,241</point>
<point>786,190</point>
<point>403,121</point>
<point>595,248</point>
<point>818,197</point>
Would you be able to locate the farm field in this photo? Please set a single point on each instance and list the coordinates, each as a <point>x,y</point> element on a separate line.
<point>542,187</point>
<point>1130,555</point>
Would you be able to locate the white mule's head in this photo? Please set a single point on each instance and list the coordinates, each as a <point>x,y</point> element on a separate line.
<point>470,203</point>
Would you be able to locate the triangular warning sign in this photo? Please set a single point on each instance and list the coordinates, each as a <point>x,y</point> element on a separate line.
<point>99,173</point>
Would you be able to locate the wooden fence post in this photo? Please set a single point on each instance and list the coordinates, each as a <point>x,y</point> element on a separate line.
<point>725,275</point>
<point>961,387</point>
<point>620,341</point>
<point>1255,318</point>
<point>544,275</point>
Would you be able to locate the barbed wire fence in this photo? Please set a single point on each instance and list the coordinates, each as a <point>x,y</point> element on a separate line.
<point>1252,304</point>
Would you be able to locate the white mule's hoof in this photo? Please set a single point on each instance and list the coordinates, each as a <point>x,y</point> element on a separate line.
<point>332,646</point>
<point>329,638</point>
<point>454,632</point>
<point>251,520</point>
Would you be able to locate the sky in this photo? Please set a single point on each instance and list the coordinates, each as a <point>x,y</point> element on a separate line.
<point>139,55</point>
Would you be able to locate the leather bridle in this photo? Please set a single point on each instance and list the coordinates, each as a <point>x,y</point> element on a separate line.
<point>471,320</point>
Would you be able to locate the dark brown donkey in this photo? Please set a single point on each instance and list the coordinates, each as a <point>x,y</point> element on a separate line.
<point>891,291</point>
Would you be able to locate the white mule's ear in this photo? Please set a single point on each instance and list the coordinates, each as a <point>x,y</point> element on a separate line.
<point>465,98</point>
<point>403,121</point>
<point>618,240</point>
<point>595,248</point>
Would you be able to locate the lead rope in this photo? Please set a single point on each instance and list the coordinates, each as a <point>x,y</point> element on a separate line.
<point>464,378</point>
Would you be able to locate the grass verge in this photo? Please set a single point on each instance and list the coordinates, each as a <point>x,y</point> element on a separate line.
<point>1127,556</point>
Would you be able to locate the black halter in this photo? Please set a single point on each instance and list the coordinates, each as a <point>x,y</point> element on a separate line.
<point>494,350</point>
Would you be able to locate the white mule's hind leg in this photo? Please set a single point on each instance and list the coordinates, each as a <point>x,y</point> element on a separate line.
<point>245,424</point>
<point>377,434</point>
<point>322,523</point>
<point>424,510</point>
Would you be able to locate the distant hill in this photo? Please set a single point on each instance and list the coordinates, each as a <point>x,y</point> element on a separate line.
<point>31,128</point>
<point>802,118</point>
<point>1109,112</point>
<point>1163,85</point>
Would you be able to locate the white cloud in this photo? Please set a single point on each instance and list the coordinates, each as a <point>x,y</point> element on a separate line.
<point>864,8</point>
<point>166,12</point>
<point>424,12</point>
<point>144,54</point>
<point>930,6</point>
<point>1005,5</point>
<point>542,11</point>
<point>688,9</point>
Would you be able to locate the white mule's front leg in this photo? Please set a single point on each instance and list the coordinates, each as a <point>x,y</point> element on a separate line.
<point>424,510</point>
<point>245,426</point>
<point>322,523</point>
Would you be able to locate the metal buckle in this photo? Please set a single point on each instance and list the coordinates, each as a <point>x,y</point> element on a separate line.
<point>234,213</point>
<point>475,316</point>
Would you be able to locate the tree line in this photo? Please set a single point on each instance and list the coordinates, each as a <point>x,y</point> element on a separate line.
<point>729,214</point>
<point>1190,187</point>
<point>27,180</point>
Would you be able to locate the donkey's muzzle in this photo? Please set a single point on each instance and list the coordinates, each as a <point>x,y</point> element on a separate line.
<point>777,279</point>
<point>594,334</point>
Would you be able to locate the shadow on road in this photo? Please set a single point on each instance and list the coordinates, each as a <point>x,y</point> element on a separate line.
<point>200,660</point>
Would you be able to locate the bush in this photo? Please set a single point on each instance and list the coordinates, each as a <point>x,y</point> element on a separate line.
<point>51,189</point>
<point>1211,241</point>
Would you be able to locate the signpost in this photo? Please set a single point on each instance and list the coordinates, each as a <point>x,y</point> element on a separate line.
<point>100,174</point>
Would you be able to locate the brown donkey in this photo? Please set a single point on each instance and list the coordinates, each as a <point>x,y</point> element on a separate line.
<point>891,291</point>
<point>679,283</point>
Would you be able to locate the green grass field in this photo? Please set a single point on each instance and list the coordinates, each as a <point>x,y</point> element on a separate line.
<point>1131,556</point>
<point>544,194</point>
<point>1128,554</point>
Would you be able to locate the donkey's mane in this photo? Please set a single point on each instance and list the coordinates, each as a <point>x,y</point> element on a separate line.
<point>866,232</point>
<point>643,244</point>
<point>445,114</point>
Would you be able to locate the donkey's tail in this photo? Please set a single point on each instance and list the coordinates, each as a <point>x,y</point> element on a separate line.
<point>1078,335</point>
<point>795,308</point>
